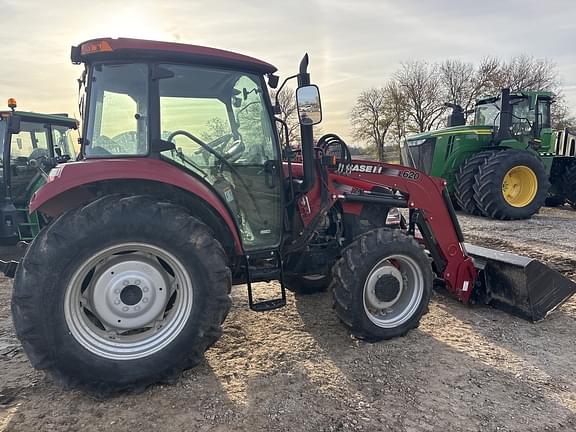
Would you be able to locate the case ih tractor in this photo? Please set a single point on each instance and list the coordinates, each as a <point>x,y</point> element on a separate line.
<point>183,190</point>
<point>504,166</point>
<point>30,143</point>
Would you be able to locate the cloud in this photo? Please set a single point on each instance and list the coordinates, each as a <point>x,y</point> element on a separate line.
<point>353,44</point>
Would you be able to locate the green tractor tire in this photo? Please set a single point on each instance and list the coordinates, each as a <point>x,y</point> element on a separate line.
<point>569,184</point>
<point>511,184</point>
<point>554,200</point>
<point>464,182</point>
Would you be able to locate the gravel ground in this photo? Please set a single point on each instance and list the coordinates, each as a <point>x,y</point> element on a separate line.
<point>297,369</point>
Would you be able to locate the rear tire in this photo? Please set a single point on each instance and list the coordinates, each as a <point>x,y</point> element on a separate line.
<point>554,200</point>
<point>569,184</point>
<point>511,184</point>
<point>464,182</point>
<point>382,285</point>
<point>139,299</point>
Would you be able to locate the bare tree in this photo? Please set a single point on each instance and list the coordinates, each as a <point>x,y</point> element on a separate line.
<point>370,121</point>
<point>397,110</point>
<point>525,72</point>
<point>422,87</point>
<point>413,101</point>
<point>287,102</point>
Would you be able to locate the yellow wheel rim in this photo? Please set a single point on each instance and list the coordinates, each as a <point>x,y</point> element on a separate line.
<point>519,186</point>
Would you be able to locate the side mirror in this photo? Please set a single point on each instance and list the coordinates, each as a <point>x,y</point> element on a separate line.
<point>14,124</point>
<point>309,107</point>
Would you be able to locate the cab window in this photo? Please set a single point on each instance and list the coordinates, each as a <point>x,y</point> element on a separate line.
<point>118,120</point>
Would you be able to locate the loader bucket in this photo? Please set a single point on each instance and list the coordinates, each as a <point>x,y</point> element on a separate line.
<point>519,285</point>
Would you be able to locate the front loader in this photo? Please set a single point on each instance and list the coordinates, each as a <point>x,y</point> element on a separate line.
<point>130,283</point>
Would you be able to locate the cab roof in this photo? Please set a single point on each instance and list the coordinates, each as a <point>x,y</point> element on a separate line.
<point>56,119</point>
<point>125,48</point>
<point>526,94</point>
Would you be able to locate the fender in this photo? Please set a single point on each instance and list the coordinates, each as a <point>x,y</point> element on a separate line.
<point>64,185</point>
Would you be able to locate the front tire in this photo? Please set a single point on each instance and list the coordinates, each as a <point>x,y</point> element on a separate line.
<point>511,184</point>
<point>120,294</point>
<point>382,285</point>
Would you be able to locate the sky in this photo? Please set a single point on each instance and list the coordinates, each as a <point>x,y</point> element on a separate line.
<point>353,44</point>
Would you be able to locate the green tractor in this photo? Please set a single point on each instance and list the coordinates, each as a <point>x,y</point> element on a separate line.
<point>507,164</point>
<point>31,145</point>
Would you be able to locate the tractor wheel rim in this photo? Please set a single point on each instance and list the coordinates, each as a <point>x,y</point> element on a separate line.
<point>399,304</point>
<point>519,186</point>
<point>128,301</point>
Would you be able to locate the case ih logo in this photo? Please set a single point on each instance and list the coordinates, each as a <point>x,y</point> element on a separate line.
<point>350,168</point>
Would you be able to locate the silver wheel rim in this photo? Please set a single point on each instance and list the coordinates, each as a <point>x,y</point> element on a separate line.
<point>402,303</point>
<point>128,301</point>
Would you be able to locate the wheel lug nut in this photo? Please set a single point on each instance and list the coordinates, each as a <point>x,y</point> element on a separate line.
<point>145,289</point>
<point>116,302</point>
<point>145,300</point>
<point>126,283</point>
<point>137,282</point>
<point>116,291</point>
<point>136,308</point>
<point>125,308</point>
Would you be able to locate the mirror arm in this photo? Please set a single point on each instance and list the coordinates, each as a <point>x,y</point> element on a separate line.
<point>276,105</point>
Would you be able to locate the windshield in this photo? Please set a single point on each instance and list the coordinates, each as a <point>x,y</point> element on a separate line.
<point>220,125</point>
<point>522,117</point>
<point>487,114</point>
<point>118,120</point>
<point>219,109</point>
<point>66,140</point>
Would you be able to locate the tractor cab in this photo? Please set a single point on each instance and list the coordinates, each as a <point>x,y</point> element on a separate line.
<point>207,119</point>
<point>525,117</point>
<point>30,143</point>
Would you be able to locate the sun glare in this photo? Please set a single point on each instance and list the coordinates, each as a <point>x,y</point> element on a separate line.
<point>132,23</point>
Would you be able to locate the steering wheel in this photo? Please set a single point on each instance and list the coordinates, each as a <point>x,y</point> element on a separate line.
<point>230,155</point>
<point>235,150</point>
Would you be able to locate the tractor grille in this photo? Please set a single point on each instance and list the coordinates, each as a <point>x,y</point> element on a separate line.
<point>419,155</point>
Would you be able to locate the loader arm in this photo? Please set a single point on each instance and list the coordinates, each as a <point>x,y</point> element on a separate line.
<point>431,211</point>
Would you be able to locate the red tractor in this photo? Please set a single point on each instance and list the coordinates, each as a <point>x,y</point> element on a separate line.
<point>183,189</point>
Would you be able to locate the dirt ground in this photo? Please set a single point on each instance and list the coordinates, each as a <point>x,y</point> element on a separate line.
<point>297,368</point>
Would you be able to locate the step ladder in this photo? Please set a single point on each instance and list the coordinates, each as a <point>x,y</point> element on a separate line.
<point>30,228</point>
<point>265,266</point>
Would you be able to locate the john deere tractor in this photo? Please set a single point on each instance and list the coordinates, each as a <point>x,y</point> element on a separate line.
<point>504,166</point>
<point>31,145</point>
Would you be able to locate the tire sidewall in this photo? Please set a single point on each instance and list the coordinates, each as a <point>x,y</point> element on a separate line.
<point>365,264</point>
<point>75,360</point>
<point>511,159</point>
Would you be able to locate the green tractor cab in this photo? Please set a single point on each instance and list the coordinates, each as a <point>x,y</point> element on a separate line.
<point>31,144</point>
<point>506,165</point>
